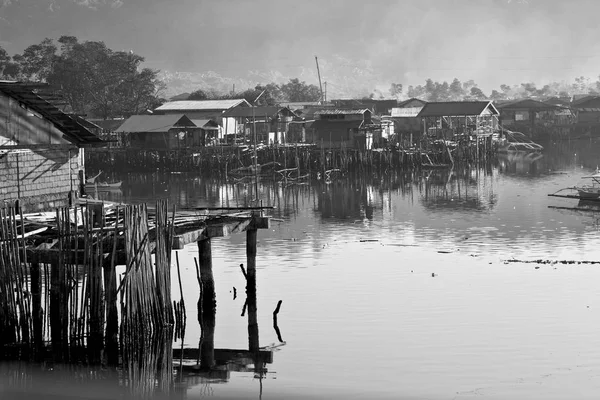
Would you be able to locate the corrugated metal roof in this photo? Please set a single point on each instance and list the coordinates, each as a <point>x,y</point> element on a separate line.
<point>526,104</point>
<point>191,105</point>
<point>405,102</point>
<point>295,105</point>
<point>154,123</point>
<point>456,108</point>
<point>341,111</point>
<point>409,112</point>
<point>249,112</point>
<point>584,100</point>
<point>34,97</point>
<point>206,124</point>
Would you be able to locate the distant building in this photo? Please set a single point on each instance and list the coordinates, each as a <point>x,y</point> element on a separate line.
<point>411,103</point>
<point>206,109</point>
<point>452,118</point>
<point>271,123</point>
<point>41,148</point>
<point>586,109</point>
<point>171,131</point>
<point>407,124</point>
<point>532,117</point>
<point>349,128</point>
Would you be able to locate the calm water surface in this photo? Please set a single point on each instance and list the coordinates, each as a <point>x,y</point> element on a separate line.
<point>362,315</point>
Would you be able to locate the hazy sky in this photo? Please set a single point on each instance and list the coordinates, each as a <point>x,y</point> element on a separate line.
<point>490,41</point>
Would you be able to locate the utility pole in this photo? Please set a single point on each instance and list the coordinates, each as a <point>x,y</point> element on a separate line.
<point>325,97</point>
<point>319,74</point>
<point>255,144</point>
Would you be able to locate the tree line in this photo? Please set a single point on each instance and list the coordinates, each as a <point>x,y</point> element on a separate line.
<point>469,90</point>
<point>95,80</point>
<point>270,94</point>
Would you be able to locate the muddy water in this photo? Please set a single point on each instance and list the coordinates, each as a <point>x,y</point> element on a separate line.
<point>398,286</point>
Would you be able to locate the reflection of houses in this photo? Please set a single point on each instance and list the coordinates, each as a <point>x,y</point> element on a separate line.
<point>444,191</point>
<point>349,128</point>
<point>531,116</point>
<point>41,148</point>
<point>173,131</point>
<point>452,118</point>
<point>205,109</point>
<point>271,123</point>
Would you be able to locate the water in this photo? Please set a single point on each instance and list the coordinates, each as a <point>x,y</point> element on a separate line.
<point>398,286</point>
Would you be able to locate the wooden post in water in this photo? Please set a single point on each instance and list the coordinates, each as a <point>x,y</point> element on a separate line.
<point>208,303</point>
<point>36,310</point>
<point>253,342</point>
<point>55,312</point>
<point>112,323</point>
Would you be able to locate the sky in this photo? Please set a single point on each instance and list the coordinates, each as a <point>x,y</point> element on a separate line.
<point>374,42</point>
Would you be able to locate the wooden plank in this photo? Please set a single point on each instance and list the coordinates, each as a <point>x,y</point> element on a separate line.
<point>180,240</point>
<point>226,355</point>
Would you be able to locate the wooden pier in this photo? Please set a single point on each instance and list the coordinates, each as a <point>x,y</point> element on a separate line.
<point>62,301</point>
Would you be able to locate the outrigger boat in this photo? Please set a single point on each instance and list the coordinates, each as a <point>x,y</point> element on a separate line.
<point>584,192</point>
<point>592,191</point>
<point>103,185</point>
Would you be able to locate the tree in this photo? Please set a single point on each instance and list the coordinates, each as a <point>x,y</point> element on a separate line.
<point>396,89</point>
<point>456,90</point>
<point>100,81</point>
<point>37,60</point>
<point>198,95</point>
<point>295,91</point>
<point>496,95</point>
<point>416,91</point>
<point>476,93</point>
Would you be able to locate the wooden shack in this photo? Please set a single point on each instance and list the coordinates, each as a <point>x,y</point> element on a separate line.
<point>41,148</point>
<point>206,109</point>
<point>447,120</point>
<point>271,124</point>
<point>169,132</point>
<point>532,117</point>
<point>348,128</point>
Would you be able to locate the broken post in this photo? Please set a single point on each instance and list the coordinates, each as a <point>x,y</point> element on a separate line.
<point>253,342</point>
<point>208,303</point>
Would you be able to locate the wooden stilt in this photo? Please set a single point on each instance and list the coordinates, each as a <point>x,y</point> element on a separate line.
<point>112,323</point>
<point>253,340</point>
<point>55,313</point>
<point>36,309</point>
<point>207,305</point>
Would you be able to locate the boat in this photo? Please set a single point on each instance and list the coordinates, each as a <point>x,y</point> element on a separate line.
<point>592,191</point>
<point>517,142</point>
<point>103,185</point>
<point>92,180</point>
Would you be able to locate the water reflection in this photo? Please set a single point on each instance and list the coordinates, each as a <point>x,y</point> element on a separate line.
<point>501,203</point>
<point>459,190</point>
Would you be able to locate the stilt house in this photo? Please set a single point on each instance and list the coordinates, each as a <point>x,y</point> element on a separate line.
<point>41,148</point>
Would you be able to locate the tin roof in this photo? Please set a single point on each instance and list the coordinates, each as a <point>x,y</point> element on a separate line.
<point>197,105</point>
<point>456,108</point>
<point>249,112</point>
<point>341,111</point>
<point>154,123</point>
<point>405,102</point>
<point>526,104</point>
<point>208,124</point>
<point>583,101</point>
<point>41,99</point>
